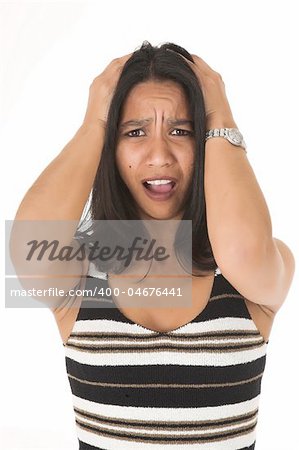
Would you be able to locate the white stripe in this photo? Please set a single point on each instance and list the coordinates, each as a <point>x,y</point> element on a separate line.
<point>167,414</point>
<point>113,326</point>
<point>121,444</point>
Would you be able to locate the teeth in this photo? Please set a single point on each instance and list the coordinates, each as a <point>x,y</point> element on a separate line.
<point>159,181</point>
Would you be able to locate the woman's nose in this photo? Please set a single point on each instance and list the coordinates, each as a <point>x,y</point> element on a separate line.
<point>159,152</point>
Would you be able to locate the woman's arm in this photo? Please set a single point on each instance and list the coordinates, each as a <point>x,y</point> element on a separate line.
<point>239,223</point>
<point>260,266</point>
<point>61,191</point>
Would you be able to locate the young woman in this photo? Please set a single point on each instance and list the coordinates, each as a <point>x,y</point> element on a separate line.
<point>155,378</point>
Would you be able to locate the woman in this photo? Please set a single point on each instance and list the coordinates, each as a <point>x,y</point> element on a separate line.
<point>164,377</point>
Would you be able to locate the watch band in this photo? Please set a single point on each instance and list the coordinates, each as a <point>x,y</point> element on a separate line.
<point>233,135</point>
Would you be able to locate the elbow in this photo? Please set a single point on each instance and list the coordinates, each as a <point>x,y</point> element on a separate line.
<point>243,252</point>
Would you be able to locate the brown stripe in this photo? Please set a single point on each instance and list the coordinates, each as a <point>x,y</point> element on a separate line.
<point>96,342</point>
<point>211,348</point>
<point>211,437</point>
<point>168,425</point>
<point>218,297</point>
<point>226,334</point>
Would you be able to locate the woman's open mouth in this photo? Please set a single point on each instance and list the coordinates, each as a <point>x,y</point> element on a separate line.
<point>159,189</point>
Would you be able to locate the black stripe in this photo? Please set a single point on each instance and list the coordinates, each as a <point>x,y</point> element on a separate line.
<point>166,397</point>
<point>166,374</point>
<point>84,446</point>
<point>224,307</point>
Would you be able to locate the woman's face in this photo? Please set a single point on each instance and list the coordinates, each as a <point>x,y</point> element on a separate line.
<point>156,148</point>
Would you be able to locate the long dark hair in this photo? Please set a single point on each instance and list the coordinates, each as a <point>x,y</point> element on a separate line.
<point>110,197</point>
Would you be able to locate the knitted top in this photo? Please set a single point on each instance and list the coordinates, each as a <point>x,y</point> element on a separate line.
<point>196,387</point>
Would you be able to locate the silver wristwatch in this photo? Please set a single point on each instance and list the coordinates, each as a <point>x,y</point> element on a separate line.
<point>233,135</point>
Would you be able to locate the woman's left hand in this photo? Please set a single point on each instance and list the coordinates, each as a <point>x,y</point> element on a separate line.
<point>218,111</point>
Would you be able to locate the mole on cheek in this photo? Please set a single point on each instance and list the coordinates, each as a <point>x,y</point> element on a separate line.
<point>130,167</point>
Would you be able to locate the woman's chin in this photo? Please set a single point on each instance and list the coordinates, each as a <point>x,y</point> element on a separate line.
<point>163,215</point>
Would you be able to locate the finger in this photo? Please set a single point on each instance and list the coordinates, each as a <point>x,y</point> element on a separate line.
<point>196,69</point>
<point>202,65</point>
<point>184,57</point>
<point>116,64</point>
<point>125,57</point>
<point>192,64</point>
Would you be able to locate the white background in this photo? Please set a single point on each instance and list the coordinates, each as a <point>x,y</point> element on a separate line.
<point>50,53</point>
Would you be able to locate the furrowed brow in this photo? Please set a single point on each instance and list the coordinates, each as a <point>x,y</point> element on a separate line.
<point>142,122</point>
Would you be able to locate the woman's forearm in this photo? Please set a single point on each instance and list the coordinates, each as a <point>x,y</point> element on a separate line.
<point>62,189</point>
<point>238,218</point>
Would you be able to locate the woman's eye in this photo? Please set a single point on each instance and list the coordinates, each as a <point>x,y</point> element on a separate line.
<point>135,133</point>
<point>176,132</point>
<point>180,132</point>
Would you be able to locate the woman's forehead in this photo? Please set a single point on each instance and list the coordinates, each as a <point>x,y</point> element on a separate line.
<point>156,87</point>
<point>148,95</point>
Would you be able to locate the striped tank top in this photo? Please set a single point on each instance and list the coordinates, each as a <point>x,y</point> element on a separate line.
<point>196,387</point>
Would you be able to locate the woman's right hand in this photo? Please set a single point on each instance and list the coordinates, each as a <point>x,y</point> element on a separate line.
<point>101,91</point>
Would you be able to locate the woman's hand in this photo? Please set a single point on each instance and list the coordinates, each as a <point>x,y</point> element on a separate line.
<point>101,91</point>
<point>218,112</point>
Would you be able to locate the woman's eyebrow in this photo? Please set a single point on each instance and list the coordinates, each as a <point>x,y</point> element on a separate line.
<point>135,123</point>
<point>180,122</point>
<point>141,122</point>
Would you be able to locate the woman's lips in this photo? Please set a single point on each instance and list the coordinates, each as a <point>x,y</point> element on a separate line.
<point>164,192</point>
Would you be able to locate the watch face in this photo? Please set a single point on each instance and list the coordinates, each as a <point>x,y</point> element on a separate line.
<point>235,136</point>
